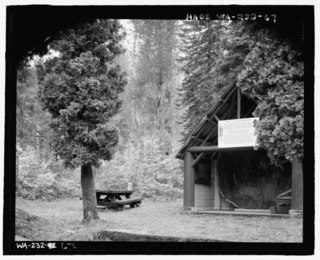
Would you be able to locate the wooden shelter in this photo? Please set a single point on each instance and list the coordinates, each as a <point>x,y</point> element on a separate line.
<point>201,182</point>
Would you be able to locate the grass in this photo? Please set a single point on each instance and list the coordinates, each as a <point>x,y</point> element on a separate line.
<point>61,220</point>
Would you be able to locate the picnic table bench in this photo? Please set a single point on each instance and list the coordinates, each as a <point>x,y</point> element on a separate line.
<point>131,202</point>
<point>114,199</point>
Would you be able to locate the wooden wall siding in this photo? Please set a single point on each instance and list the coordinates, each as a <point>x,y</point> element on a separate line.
<point>204,196</point>
<point>203,190</point>
<point>207,194</point>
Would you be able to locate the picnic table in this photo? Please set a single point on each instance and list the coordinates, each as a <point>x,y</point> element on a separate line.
<point>116,199</point>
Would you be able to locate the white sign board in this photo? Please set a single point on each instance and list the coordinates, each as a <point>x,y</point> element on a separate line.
<point>237,132</point>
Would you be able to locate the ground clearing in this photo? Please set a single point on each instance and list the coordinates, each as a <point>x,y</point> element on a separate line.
<point>61,220</point>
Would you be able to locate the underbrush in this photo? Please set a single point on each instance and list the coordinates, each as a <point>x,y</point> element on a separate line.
<point>152,174</point>
<point>45,179</point>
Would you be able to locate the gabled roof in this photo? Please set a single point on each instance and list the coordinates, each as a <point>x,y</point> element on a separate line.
<point>226,108</point>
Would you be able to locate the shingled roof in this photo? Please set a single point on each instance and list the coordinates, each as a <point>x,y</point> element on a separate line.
<point>226,108</point>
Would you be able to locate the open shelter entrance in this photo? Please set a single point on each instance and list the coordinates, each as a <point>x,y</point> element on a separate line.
<point>205,165</point>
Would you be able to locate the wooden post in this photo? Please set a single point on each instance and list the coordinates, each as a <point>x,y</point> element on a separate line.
<point>297,185</point>
<point>214,172</point>
<point>188,182</point>
<point>239,103</point>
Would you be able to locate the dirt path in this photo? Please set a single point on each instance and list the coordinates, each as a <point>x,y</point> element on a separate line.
<point>157,218</point>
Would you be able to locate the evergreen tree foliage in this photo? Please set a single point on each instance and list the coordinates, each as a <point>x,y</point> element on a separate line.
<point>153,94</point>
<point>80,89</point>
<point>273,75</point>
<point>26,105</point>
<point>32,121</point>
<point>212,56</point>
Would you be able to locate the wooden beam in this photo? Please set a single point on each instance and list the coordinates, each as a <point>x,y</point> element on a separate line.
<point>214,148</point>
<point>208,136</point>
<point>213,154</point>
<point>230,113</point>
<point>224,101</point>
<point>205,140</point>
<point>229,94</point>
<point>239,103</point>
<point>210,119</point>
<point>204,157</point>
<point>214,112</point>
<point>195,162</point>
<point>214,129</point>
<point>217,110</point>
<point>197,138</point>
<point>201,156</point>
<point>233,104</point>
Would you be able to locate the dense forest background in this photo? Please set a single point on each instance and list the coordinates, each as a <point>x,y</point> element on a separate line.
<point>176,71</point>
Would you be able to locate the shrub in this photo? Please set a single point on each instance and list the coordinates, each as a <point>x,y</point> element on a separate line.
<point>43,179</point>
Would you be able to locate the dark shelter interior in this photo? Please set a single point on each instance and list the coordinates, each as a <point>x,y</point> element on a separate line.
<point>248,178</point>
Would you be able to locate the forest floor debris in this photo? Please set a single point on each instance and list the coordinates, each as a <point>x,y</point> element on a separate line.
<point>61,220</point>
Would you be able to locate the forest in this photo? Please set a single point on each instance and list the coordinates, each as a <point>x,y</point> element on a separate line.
<point>118,98</point>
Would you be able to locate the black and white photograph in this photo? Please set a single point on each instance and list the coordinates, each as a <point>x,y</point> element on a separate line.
<point>159,129</point>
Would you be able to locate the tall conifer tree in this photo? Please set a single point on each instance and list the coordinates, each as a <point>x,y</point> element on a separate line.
<point>154,73</point>
<point>80,89</point>
<point>212,56</point>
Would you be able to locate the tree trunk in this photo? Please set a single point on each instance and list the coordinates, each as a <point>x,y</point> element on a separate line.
<point>89,200</point>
